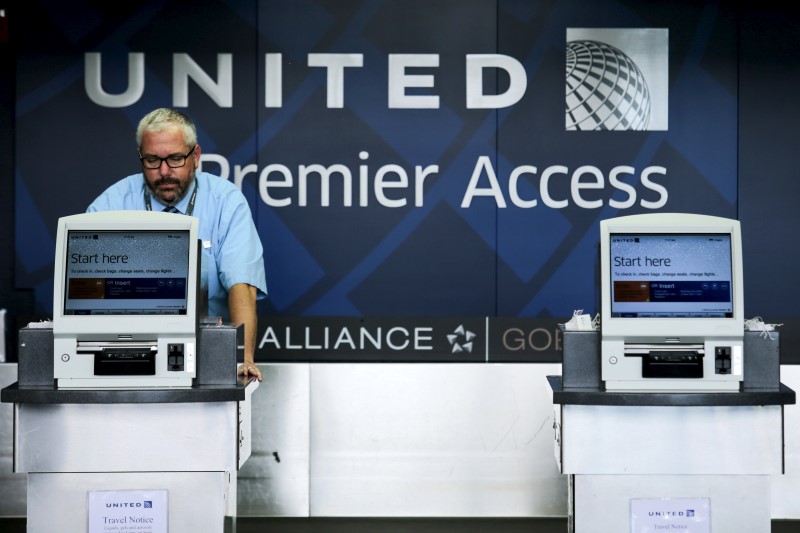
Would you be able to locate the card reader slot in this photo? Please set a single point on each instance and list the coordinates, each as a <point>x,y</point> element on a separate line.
<point>121,361</point>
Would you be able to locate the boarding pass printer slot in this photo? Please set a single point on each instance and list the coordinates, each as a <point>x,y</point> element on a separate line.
<point>127,361</point>
<point>669,362</point>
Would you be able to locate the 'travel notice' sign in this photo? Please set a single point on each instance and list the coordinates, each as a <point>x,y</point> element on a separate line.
<point>118,511</point>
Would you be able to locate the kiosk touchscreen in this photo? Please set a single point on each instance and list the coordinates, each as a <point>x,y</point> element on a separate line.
<point>125,300</point>
<point>671,303</point>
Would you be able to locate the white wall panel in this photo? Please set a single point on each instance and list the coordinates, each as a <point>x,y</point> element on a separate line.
<point>433,440</point>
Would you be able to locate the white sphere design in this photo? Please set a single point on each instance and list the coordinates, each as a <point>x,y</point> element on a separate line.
<point>605,89</point>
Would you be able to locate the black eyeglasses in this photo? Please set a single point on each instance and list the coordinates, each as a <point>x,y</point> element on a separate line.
<point>173,161</point>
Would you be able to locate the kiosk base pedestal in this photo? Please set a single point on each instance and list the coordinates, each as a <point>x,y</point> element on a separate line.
<point>83,449</point>
<point>664,462</point>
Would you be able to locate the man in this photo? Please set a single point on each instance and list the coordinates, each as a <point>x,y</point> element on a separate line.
<point>232,263</point>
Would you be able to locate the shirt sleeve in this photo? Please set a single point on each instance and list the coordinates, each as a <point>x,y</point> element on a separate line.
<point>240,258</point>
<point>101,203</point>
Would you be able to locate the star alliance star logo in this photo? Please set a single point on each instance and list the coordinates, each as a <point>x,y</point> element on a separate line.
<point>461,340</point>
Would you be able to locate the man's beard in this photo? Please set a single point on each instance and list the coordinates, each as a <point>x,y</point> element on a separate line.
<point>179,191</point>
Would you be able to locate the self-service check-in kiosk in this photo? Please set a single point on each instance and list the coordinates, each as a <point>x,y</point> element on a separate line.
<point>672,304</point>
<point>670,416</point>
<point>129,397</point>
<point>125,300</point>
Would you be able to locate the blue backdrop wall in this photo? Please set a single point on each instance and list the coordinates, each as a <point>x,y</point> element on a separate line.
<point>409,165</point>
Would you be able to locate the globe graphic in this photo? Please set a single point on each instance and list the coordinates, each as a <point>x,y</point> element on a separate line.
<point>605,89</point>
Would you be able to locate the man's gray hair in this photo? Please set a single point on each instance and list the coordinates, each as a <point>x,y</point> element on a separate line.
<point>163,118</point>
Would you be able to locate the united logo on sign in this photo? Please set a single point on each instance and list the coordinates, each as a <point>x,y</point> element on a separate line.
<point>617,79</point>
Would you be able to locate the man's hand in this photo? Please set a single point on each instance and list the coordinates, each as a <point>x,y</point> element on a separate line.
<point>249,370</point>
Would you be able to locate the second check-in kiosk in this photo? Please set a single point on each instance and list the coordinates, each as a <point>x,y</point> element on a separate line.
<point>670,416</point>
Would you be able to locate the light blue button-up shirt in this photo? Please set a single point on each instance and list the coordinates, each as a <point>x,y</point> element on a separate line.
<point>232,251</point>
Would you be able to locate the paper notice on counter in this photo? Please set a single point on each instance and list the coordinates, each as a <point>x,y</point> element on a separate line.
<point>128,511</point>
